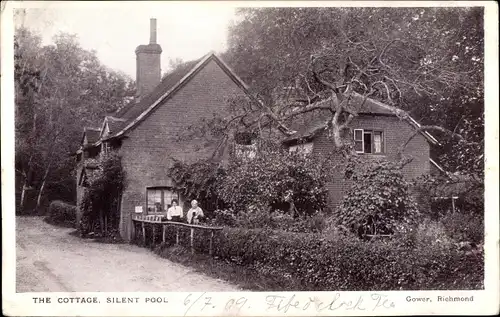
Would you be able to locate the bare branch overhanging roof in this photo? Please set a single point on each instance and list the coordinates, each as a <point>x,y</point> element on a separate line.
<point>368,107</point>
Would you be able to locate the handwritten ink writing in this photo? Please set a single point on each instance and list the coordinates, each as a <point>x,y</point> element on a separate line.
<point>188,301</point>
<point>284,304</point>
<point>235,303</point>
<point>207,303</point>
<point>382,301</point>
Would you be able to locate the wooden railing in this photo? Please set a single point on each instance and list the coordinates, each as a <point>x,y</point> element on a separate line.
<point>157,221</point>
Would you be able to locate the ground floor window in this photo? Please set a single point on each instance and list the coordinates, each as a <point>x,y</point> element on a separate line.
<point>159,199</point>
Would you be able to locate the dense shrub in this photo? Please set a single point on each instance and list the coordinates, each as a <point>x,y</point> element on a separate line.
<point>464,227</point>
<point>199,181</point>
<point>224,217</point>
<point>379,199</point>
<point>347,263</point>
<point>269,220</point>
<point>276,177</point>
<point>62,214</point>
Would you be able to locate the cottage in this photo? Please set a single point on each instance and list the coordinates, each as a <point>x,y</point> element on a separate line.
<point>377,132</point>
<point>146,132</point>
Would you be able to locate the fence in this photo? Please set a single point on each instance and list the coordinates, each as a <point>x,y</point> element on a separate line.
<point>155,222</point>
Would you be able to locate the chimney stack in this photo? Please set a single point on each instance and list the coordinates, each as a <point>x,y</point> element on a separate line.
<point>152,31</point>
<point>148,64</point>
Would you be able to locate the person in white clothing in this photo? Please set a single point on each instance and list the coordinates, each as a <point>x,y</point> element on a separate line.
<point>194,214</point>
<point>174,213</point>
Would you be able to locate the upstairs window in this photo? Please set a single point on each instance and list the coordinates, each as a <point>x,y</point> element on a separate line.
<point>159,199</point>
<point>368,141</point>
<point>105,147</point>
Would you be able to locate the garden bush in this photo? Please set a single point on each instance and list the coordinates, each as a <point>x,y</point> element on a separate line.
<point>347,263</point>
<point>61,214</point>
<point>379,200</point>
<point>224,217</point>
<point>254,219</point>
<point>276,178</point>
<point>464,227</point>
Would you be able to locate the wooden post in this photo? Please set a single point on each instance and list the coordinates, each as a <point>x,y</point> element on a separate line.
<point>164,232</point>
<point>154,234</point>
<point>177,236</point>
<point>133,231</point>
<point>192,240</point>
<point>143,233</point>
<point>210,250</point>
<point>453,204</point>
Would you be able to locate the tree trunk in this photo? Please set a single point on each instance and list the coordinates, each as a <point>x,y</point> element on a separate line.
<point>101,220</point>
<point>23,195</point>
<point>42,187</point>
<point>27,181</point>
<point>118,213</point>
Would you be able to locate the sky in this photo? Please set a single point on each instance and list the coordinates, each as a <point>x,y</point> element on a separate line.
<point>185,30</point>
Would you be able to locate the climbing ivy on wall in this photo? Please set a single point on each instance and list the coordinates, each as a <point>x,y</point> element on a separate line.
<point>100,205</point>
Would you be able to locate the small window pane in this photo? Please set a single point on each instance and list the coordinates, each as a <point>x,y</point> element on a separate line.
<point>169,195</point>
<point>377,142</point>
<point>358,146</point>
<point>368,142</point>
<point>154,200</point>
<point>358,135</point>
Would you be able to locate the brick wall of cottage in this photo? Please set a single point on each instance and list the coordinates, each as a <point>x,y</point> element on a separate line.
<point>148,150</point>
<point>396,133</point>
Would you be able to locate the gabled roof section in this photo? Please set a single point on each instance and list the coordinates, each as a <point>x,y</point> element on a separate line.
<point>136,112</point>
<point>316,122</point>
<point>111,125</point>
<point>92,134</point>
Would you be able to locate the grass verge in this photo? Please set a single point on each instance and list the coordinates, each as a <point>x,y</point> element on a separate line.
<point>244,277</point>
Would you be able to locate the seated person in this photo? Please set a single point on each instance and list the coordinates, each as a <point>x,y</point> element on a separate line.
<point>174,213</point>
<point>194,214</point>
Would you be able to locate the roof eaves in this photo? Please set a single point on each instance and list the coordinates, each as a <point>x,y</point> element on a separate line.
<point>439,167</point>
<point>412,121</point>
<point>429,136</point>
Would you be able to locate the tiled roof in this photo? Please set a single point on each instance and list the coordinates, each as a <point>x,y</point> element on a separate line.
<point>136,112</point>
<point>133,110</point>
<point>92,134</point>
<point>115,124</point>
<point>310,124</point>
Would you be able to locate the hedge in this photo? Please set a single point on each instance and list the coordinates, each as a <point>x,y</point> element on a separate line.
<point>346,263</point>
<point>62,214</point>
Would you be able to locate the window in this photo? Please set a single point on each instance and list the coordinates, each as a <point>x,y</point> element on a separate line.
<point>106,147</point>
<point>368,141</point>
<point>159,199</point>
<point>245,151</point>
<point>245,147</point>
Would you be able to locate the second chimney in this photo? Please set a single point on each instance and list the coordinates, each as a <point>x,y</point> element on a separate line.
<point>148,64</point>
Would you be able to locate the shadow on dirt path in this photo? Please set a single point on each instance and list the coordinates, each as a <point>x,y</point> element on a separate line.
<point>49,259</point>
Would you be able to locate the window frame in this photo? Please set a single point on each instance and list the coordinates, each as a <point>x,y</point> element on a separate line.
<point>165,204</point>
<point>362,140</point>
<point>372,132</point>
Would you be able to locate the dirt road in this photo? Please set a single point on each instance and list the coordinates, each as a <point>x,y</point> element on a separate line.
<point>51,260</point>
